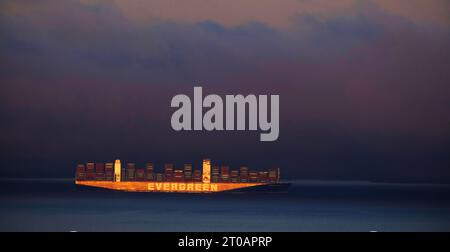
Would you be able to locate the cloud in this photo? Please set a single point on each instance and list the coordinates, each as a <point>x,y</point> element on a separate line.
<point>359,82</point>
<point>275,13</point>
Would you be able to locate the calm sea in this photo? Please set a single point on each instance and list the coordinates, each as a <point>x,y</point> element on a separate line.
<point>57,205</point>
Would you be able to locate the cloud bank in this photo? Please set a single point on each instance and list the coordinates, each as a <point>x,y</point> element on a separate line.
<point>363,85</point>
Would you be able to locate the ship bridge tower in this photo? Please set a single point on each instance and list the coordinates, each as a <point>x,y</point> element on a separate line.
<point>117,169</point>
<point>206,171</point>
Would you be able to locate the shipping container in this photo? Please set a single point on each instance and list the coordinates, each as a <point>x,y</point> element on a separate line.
<point>188,172</point>
<point>90,171</point>
<point>197,176</point>
<point>159,177</point>
<point>187,167</point>
<point>179,176</point>
<point>90,175</point>
<point>263,176</point>
<point>168,172</point>
<point>150,176</point>
<point>109,171</point>
<point>150,170</point>
<point>215,174</point>
<point>131,172</point>
<point>99,167</point>
<point>234,176</point>
<point>224,173</point>
<point>90,167</point>
<point>244,174</point>
<point>273,175</point>
<point>99,171</point>
<point>140,174</point>
<point>215,170</point>
<point>80,168</point>
<point>81,176</point>
<point>109,176</point>
<point>80,172</point>
<point>109,167</point>
<point>253,176</point>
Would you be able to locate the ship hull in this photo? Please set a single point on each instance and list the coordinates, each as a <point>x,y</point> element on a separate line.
<point>184,187</point>
<point>265,188</point>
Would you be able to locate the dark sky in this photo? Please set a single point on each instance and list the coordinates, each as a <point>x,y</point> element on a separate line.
<point>364,85</point>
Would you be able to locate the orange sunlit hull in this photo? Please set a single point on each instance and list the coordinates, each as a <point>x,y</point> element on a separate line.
<point>177,187</point>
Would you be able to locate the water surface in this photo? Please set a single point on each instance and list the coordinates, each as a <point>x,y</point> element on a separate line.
<point>58,205</point>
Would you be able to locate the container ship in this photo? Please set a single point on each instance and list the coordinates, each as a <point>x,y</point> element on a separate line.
<point>210,179</point>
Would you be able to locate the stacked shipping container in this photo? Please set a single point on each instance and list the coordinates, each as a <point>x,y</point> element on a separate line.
<point>222,174</point>
<point>81,172</point>
<point>99,171</point>
<point>197,176</point>
<point>130,171</point>
<point>90,171</point>
<point>188,172</point>
<point>140,174</point>
<point>150,170</point>
<point>168,172</point>
<point>109,171</point>
<point>215,174</point>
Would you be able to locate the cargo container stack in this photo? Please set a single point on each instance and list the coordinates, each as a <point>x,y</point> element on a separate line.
<point>273,175</point>
<point>234,176</point>
<point>197,176</point>
<point>215,174</point>
<point>253,176</point>
<point>244,174</point>
<point>90,171</point>
<point>179,175</point>
<point>168,172</point>
<point>159,177</point>
<point>109,171</point>
<point>188,172</point>
<point>111,175</point>
<point>81,172</point>
<point>263,176</point>
<point>130,172</point>
<point>99,171</point>
<point>219,174</point>
<point>140,174</point>
<point>150,171</point>
<point>224,174</point>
